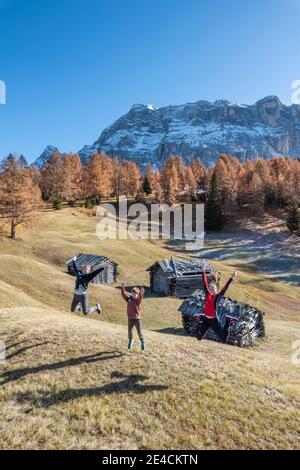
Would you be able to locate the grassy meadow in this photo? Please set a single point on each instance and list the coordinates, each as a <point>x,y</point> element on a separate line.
<point>69,382</point>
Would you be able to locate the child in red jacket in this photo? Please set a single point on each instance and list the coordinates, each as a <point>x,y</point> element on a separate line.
<point>210,319</point>
<point>134,300</point>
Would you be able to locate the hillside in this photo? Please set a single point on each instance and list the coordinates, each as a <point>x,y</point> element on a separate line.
<point>70,382</point>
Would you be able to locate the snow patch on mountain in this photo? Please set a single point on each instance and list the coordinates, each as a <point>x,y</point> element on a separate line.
<point>151,107</point>
<point>44,157</point>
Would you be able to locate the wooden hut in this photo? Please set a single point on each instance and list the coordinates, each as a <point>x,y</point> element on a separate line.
<point>107,276</point>
<point>242,323</point>
<point>178,278</point>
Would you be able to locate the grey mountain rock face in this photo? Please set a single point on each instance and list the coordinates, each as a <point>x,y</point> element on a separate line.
<point>202,130</point>
<point>44,157</point>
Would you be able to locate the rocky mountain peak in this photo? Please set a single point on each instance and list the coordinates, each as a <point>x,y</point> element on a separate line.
<point>44,157</point>
<point>201,130</point>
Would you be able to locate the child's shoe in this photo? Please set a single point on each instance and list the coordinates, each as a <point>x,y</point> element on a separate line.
<point>130,343</point>
<point>98,308</point>
<point>143,345</point>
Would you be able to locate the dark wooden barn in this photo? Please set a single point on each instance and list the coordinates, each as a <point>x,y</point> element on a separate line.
<point>107,276</point>
<point>178,278</point>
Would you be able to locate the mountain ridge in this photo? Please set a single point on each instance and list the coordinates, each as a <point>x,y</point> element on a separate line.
<point>201,130</point>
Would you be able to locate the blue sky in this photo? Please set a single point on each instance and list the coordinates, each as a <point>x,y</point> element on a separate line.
<point>72,67</point>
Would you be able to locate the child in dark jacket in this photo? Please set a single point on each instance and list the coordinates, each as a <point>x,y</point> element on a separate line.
<point>210,318</point>
<point>80,298</point>
<point>134,300</point>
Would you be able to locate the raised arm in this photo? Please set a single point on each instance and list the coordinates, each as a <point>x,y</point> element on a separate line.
<point>141,295</point>
<point>205,281</point>
<point>123,293</point>
<point>75,267</point>
<point>230,280</point>
<point>89,277</point>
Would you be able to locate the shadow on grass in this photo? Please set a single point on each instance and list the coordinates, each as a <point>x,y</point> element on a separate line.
<point>14,345</point>
<point>22,341</point>
<point>15,336</point>
<point>172,331</point>
<point>25,348</point>
<point>127,384</point>
<point>272,259</point>
<point>184,247</point>
<point>11,376</point>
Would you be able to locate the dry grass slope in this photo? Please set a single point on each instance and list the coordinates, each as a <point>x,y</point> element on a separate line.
<point>69,382</point>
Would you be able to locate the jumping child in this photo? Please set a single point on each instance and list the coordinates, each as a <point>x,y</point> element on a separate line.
<point>134,300</point>
<point>210,318</point>
<point>80,298</point>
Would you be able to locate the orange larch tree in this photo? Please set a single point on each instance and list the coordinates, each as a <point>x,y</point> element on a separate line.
<point>98,176</point>
<point>20,196</point>
<point>73,174</point>
<point>54,182</point>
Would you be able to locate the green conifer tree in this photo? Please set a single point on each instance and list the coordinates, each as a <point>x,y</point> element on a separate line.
<point>293,218</point>
<point>147,186</point>
<point>214,219</point>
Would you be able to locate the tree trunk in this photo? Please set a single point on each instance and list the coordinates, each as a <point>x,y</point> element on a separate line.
<point>13,231</point>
